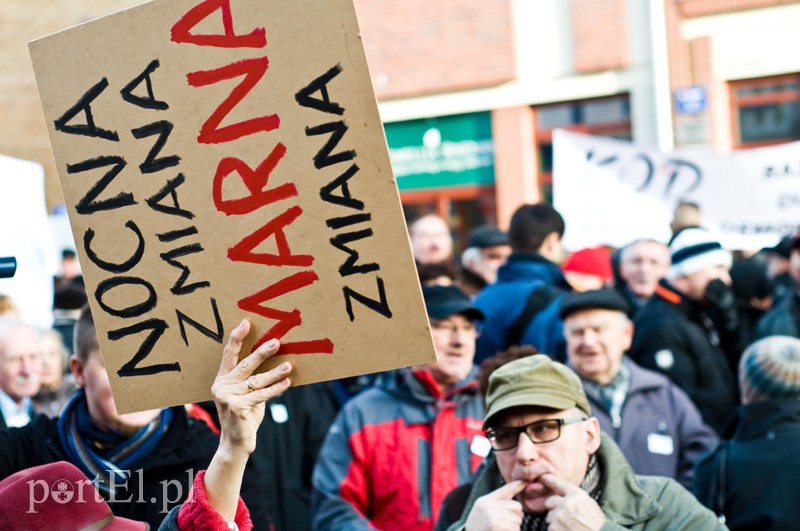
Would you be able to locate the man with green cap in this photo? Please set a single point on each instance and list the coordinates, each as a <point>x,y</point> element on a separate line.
<point>552,469</point>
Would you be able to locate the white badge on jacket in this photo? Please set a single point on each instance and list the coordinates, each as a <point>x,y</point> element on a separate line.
<point>279,413</point>
<point>660,444</point>
<point>480,446</point>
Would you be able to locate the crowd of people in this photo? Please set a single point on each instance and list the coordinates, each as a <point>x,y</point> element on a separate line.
<point>654,386</point>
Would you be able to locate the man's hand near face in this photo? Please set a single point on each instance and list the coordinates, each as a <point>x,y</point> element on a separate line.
<point>498,510</point>
<point>570,507</point>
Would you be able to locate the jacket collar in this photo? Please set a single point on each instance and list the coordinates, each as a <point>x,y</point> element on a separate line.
<point>755,419</point>
<point>641,380</point>
<point>407,381</point>
<point>623,500</point>
<point>672,295</point>
<point>522,265</point>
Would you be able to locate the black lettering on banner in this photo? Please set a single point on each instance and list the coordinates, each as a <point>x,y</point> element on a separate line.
<point>84,104</point>
<point>177,234</point>
<point>131,368</point>
<point>345,199</point>
<point>170,257</point>
<point>303,96</point>
<point>113,267</point>
<point>676,172</point>
<point>649,171</point>
<point>678,169</point>
<point>150,102</point>
<point>380,306</point>
<point>105,285</point>
<point>215,335</point>
<point>324,158</point>
<point>349,267</point>
<point>87,204</point>
<point>606,161</point>
<point>153,163</point>
<point>169,189</point>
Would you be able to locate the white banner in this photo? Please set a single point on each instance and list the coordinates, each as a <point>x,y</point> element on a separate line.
<point>24,235</point>
<point>611,192</point>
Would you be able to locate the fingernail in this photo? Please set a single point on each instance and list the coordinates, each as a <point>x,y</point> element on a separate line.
<point>241,324</point>
<point>283,367</point>
<point>272,343</point>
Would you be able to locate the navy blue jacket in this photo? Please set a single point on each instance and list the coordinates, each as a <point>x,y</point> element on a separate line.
<point>761,468</point>
<point>504,301</point>
<point>783,319</point>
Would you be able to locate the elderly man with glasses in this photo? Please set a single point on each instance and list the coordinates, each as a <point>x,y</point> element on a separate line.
<point>552,469</point>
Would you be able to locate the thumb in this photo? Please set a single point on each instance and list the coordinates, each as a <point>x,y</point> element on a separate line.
<point>509,490</point>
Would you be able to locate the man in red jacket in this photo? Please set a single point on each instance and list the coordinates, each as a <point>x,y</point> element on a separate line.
<point>396,450</point>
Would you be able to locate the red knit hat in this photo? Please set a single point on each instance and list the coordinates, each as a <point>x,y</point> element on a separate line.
<point>592,261</point>
<point>56,496</point>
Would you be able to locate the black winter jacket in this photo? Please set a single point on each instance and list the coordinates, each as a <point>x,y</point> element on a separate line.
<point>674,335</point>
<point>166,477</point>
<point>289,439</point>
<point>761,488</point>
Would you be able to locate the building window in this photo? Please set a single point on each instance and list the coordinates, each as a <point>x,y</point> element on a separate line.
<point>765,111</point>
<point>609,116</point>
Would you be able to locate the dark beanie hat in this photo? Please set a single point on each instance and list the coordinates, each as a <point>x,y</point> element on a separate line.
<point>749,279</point>
<point>770,368</point>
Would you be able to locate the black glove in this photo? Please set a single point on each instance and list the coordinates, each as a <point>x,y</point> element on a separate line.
<point>720,295</point>
<point>725,315</point>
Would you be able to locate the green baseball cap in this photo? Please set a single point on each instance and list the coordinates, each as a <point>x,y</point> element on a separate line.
<point>534,381</point>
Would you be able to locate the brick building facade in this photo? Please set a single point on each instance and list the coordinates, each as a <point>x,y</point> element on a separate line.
<point>470,90</point>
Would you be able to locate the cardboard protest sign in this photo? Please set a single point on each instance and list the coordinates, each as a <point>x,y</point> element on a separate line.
<point>224,159</point>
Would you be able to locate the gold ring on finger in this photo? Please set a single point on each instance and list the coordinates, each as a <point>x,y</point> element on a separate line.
<point>249,385</point>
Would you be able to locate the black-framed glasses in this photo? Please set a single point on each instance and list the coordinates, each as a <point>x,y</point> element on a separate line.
<point>541,431</point>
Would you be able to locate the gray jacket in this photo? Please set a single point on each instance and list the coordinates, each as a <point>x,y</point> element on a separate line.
<point>660,430</point>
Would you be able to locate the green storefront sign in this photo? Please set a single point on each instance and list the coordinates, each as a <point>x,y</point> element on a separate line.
<point>442,152</point>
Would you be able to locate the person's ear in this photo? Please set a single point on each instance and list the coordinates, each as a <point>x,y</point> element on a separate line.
<point>76,367</point>
<point>551,247</point>
<point>628,331</point>
<point>592,435</point>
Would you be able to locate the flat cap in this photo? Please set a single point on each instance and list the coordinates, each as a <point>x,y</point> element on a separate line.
<point>598,299</point>
<point>534,381</point>
<point>487,236</point>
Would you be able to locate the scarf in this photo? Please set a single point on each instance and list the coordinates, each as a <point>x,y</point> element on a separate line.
<point>591,484</point>
<point>106,457</point>
<point>614,393</point>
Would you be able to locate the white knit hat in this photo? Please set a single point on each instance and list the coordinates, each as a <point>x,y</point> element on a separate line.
<point>693,250</point>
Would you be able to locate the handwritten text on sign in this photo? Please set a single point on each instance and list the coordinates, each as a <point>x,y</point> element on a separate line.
<point>212,175</point>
